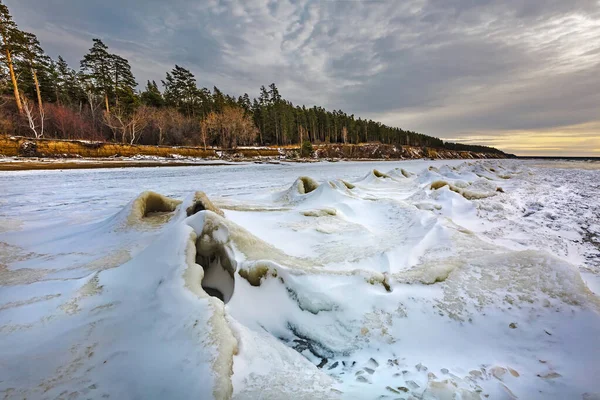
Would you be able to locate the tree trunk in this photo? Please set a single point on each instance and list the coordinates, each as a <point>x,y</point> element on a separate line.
<point>14,80</point>
<point>106,102</point>
<point>260,132</point>
<point>37,89</point>
<point>116,90</point>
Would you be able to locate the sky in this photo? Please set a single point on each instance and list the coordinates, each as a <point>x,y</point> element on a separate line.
<point>519,75</point>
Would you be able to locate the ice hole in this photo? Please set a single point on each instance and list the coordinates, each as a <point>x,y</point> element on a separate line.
<point>153,208</point>
<point>306,185</point>
<point>219,266</point>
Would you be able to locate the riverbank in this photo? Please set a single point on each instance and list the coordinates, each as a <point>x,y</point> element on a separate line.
<point>20,153</point>
<point>21,164</point>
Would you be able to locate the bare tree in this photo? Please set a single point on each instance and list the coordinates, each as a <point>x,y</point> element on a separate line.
<point>36,124</point>
<point>138,121</point>
<point>230,127</point>
<point>165,120</point>
<point>93,102</point>
<point>116,123</point>
<point>129,126</point>
<point>160,119</point>
<point>210,126</point>
<point>203,133</point>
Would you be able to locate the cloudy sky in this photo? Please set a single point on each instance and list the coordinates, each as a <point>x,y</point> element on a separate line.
<point>521,75</point>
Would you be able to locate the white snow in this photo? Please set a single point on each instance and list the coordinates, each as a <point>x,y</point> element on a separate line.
<point>384,287</point>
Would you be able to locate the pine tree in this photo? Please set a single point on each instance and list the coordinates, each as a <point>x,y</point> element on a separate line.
<point>62,80</point>
<point>257,115</point>
<point>152,95</point>
<point>35,60</point>
<point>244,102</point>
<point>206,103</point>
<point>181,90</point>
<point>96,67</point>
<point>219,100</point>
<point>123,81</point>
<point>69,84</point>
<point>10,35</point>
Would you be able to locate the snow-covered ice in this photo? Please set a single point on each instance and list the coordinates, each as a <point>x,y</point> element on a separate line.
<point>352,280</point>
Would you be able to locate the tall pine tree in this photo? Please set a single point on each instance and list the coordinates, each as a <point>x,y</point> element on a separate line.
<point>123,81</point>
<point>35,61</point>
<point>11,36</point>
<point>180,90</point>
<point>96,69</point>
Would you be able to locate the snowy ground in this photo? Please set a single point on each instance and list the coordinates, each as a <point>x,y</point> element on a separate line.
<point>399,280</point>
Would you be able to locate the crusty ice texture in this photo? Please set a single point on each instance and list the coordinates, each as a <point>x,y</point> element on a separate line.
<point>384,287</point>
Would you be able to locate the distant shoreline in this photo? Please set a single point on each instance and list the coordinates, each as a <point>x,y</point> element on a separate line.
<point>574,158</point>
<point>33,154</point>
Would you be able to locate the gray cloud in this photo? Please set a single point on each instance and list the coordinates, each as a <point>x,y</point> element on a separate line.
<point>444,67</point>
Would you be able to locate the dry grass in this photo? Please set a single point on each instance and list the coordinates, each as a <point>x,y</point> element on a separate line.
<point>41,165</point>
<point>10,146</point>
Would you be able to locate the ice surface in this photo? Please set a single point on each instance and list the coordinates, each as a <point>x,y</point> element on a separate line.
<point>416,279</point>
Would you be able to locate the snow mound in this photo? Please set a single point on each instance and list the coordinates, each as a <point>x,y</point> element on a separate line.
<point>300,188</point>
<point>480,189</point>
<point>305,185</point>
<point>149,203</point>
<point>400,172</point>
<point>201,202</point>
<point>348,185</point>
<point>380,174</point>
<point>374,176</point>
<point>307,191</point>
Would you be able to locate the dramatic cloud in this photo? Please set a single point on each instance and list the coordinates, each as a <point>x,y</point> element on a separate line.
<point>521,75</point>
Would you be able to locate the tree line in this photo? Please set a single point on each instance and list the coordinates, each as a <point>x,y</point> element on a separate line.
<point>99,100</point>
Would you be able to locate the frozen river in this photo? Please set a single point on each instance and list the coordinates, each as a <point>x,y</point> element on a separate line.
<point>414,279</point>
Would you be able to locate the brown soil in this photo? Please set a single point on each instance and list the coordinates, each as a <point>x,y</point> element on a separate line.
<point>37,165</point>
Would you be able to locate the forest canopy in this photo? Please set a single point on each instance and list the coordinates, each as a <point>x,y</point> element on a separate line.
<point>100,100</point>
